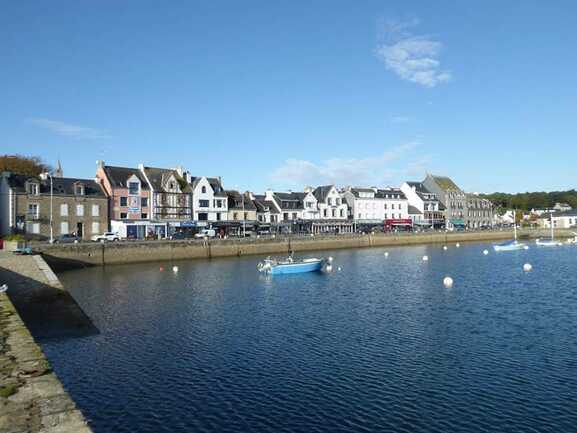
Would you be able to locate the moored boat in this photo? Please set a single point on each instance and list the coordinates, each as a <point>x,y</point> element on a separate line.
<point>291,266</point>
<point>513,245</point>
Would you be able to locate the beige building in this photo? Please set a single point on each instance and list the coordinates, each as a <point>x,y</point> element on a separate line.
<point>41,208</point>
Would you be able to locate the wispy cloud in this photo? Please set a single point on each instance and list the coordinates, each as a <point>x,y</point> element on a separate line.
<point>399,119</point>
<point>63,129</point>
<point>377,170</point>
<point>412,57</point>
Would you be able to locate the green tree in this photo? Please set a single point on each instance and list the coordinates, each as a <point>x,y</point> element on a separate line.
<point>27,165</point>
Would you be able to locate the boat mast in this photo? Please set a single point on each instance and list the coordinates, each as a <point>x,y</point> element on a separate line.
<point>515,223</point>
<point>552,231</point>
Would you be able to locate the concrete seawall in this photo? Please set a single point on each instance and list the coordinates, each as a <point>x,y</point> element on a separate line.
<point>32,399</point>
<point>100,254</point>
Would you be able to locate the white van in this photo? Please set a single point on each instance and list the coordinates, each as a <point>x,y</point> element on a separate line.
<point>206,233</point>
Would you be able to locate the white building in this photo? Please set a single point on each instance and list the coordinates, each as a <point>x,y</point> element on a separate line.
<point>376,206</point>
<point>561,220</point>
<point>428,210</point>
<point>209,201</point>
<point>330,204</point>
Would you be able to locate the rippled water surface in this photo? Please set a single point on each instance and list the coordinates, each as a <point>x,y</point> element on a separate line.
<point>379,346</point>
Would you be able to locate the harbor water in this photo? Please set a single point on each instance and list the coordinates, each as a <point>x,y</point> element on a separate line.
<point>380,345</point>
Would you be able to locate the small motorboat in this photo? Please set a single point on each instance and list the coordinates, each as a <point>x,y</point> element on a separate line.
<point>291,266</point>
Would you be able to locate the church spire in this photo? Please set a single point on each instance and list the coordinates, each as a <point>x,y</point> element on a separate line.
<point>59,172</point>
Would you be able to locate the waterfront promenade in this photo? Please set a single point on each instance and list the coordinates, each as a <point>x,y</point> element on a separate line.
<point>32,399</point>
<point>100,254</point>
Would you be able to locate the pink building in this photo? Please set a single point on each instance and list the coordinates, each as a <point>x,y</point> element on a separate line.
<point>129,202</point>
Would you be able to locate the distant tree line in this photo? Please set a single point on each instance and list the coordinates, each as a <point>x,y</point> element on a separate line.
<point>532,200</point>
<point>26,165</point>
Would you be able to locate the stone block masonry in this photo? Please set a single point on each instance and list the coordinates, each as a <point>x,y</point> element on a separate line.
<point>100,254</point>
<point>32,399</point>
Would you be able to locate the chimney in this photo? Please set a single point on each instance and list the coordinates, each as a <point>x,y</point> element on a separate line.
<point>99,164</point>
<point>308,189</point>
<point>268,194</point>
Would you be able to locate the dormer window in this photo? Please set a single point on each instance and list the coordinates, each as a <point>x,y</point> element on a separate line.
<point>133,188</point>
<point>203,189</point>
<point>33,188</point>
<point>79,189</point>
<point>171,186</point>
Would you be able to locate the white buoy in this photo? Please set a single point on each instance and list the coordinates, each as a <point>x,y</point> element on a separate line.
<point>425,258</point>
<point>386,254</point>
<point>458,245</point>
<point>339,269</point>
<point>328,268</point>
<point>448,282</point>
<point>485,252</point>
<point>527,267</point>
<point>445,248</point>
<point>330,259</point>
<point>526,247</point>
<point>175,269</point>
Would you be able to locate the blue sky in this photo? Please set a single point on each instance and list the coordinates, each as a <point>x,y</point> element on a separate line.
<point>283,94</point>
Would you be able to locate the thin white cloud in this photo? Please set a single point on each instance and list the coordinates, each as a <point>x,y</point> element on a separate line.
<point>378,170</point>
<point>63,129</point>
<point>413,58</point>
<point>399,119</point>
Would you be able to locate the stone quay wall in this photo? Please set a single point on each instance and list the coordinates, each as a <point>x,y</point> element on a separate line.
<point>32,399</point>
<point>100,254</point>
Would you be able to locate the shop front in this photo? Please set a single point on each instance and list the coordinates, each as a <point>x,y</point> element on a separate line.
<point>398,225</point>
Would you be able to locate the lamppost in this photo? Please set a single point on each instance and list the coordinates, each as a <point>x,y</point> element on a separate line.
<point>243,218</point>
<point>46,174</point>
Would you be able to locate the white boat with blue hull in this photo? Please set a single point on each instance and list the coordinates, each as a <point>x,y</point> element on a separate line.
<point>291,266</point>
<point>513,245</point>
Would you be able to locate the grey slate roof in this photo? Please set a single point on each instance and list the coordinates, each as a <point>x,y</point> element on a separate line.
<point>321,192</point>
<point>290,200</point>
<point>60,186</point>
<point>414,211</point>
<point>261,204</point>
<point>159,176</point>
<point>118,176</point>
<point>235,201</point>
<point>423,192</point>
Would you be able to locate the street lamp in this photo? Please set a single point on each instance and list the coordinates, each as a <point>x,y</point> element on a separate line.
<point>46,174</point>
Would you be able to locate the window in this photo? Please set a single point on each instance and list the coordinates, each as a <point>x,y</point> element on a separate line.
<point>143,216</point>
<point>334,213</point>
<point>133,188</point>
<point>33,228</point>
<point>218,216</point>
<point>325,214</point>
<point>330,201</point>
<point>203,203</point>
<point>171,186</point>
<point>64,228</point>
<point>33,210</point>
<point>235,216</point>
<point>144,202</point>
<point>245,216</point>
<point>203,216</point>
<point>95,210</point>
<point>33,188</point>
<point>218,203</point>
<point>309,204</point>
<point>64,210</point>
<point>385,206</point>
<point>260,218</point>
<point>123,201</point>
<point>79,210</point>
<point>79,190</point>
<point>294,215</point>
<point>342,213</point>
<point>95,228</point>
<point>123,215</point>
<point>285,216</point>
<point>203,189</point>
<point>338,201</point>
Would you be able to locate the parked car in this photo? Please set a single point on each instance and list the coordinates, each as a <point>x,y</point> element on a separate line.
<point>67,239</point>
<point>181,235</point>
<point>108,236</point>
<point>206,233</point>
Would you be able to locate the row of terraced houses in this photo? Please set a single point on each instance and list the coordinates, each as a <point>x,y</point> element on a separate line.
<point>145,202</point>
